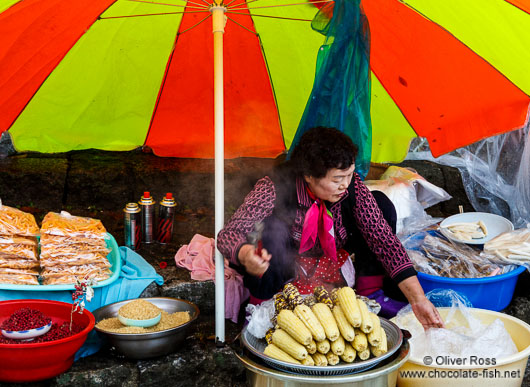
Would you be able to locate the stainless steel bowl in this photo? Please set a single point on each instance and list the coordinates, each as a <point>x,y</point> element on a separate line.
<point>148,345</point>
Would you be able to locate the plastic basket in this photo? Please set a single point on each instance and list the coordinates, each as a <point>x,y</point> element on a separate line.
<point>492,293</point>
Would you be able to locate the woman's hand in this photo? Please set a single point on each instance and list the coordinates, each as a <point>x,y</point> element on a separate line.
<point>423,309</point>
<point>254,264</point>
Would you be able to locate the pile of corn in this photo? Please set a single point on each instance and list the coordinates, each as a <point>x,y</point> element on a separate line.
<point>323,328</point>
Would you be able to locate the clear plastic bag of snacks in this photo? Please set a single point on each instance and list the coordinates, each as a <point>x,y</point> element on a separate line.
<point>19,279</point>
<point>72,279</point>
<point>81,270</point>
<point>432,253</point>
<point>64,224</point>
<point>57,241</point>
<point>72,249</point>
<point>19,263</point>
<point>75,260</point>
<point>16,222</point>
<point>15,250</point>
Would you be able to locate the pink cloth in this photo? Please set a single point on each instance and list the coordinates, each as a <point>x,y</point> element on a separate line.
<point>197,257</point>
<point>318,221</point>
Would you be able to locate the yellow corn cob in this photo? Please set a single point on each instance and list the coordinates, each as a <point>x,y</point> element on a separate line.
<point>312,347</point>
<point>323,296</point>
<point>292,295</point>
<point>374,337</point>
<point>304,313</point>
<point>276,353</point>
<point>327,320</point>
<point>349,305</point>
<point>286,343</point>
<point>349,353</point>
<point>364,355</point>
<point>268,335</point>
<point>308,361</point>
<point>382,347</point>
<point>337,346</point>
<point>323,346</point>
<point>310,300</point>
<point>320,359</point>
<point>332,358</point>
<point>333,295</point>
<point>345,328</point>
<point>293,326</point>
<point>360,343</point>
<point>280,302</point>
<point>366,321</point>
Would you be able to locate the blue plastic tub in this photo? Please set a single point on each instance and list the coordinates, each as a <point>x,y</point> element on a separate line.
<point>492,293</point>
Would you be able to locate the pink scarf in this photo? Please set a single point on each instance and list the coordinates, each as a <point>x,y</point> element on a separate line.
<point>318,222</point>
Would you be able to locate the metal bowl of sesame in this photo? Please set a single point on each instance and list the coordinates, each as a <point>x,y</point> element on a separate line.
<point>146,342</point>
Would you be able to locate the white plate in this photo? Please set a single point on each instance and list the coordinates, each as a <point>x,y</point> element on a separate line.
<point>495,224</point>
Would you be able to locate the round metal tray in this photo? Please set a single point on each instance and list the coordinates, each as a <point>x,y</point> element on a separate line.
<point>257,346</point>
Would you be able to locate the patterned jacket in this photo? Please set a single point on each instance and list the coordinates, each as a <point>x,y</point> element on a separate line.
<point>261,201</point>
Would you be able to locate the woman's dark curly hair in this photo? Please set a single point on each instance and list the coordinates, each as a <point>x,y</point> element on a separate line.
<point>321,149</point>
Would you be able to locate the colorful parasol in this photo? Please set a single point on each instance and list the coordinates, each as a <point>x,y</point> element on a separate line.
<point>452,71</point>
<point>116,75</point>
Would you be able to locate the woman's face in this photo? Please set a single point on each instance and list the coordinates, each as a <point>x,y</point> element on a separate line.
<point>332,186</point>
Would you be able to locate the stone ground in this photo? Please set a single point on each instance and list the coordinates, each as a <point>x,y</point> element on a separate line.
<point>99,184</point>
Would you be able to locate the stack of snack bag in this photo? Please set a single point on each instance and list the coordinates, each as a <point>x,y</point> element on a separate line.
<point>19,261</point>
<point>323,328</point>
<point>73,248</point>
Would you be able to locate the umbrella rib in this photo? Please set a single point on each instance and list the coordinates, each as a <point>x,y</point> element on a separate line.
<point>195,25</point>
<point>278,5</point>
<point>200,6</point>
<point>241,25</point>
<point>237,5</point>
<point>150,14</point>
<point>272,17</point>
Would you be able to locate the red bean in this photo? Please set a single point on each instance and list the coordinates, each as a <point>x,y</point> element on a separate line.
<point>24,319</point>
<point>56,332</point>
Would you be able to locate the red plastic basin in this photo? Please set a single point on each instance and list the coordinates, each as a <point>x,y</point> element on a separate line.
<point>39,361</point>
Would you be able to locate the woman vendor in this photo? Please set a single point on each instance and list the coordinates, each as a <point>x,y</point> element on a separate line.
<point>315,212</point>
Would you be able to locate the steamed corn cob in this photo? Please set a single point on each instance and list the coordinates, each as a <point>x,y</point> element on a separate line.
<point>291,324</point>
<point>323,296</point>
<point>323,346</point>
<point>349,305</point>
<point>304,313</point>
<point>286,343</point>
<point>360,343</point>
<point>308,361</point>
<point>374,337</point>
<point>364,355</point>
<point>280,302</point>
<point>349,353</point>
<point>312,347</point>
<point>345,328</point>
<point>320,359</point>
<point>292,295</point>
<point>332,358</point>
<point>382,347</point>
<point>366,321</point>
<point>276,353</point>
<point>268,335</point>
<point>333,295</point>
<point>324,315</point>
<point>310,300</point>
<point>337,346</point>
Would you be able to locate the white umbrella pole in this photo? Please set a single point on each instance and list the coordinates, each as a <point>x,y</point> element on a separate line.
<point>219,21</point>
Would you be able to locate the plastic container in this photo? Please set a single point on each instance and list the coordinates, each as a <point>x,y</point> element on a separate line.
<point>38,361</point>
<point>508,371</point>
<point>493,293</point>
